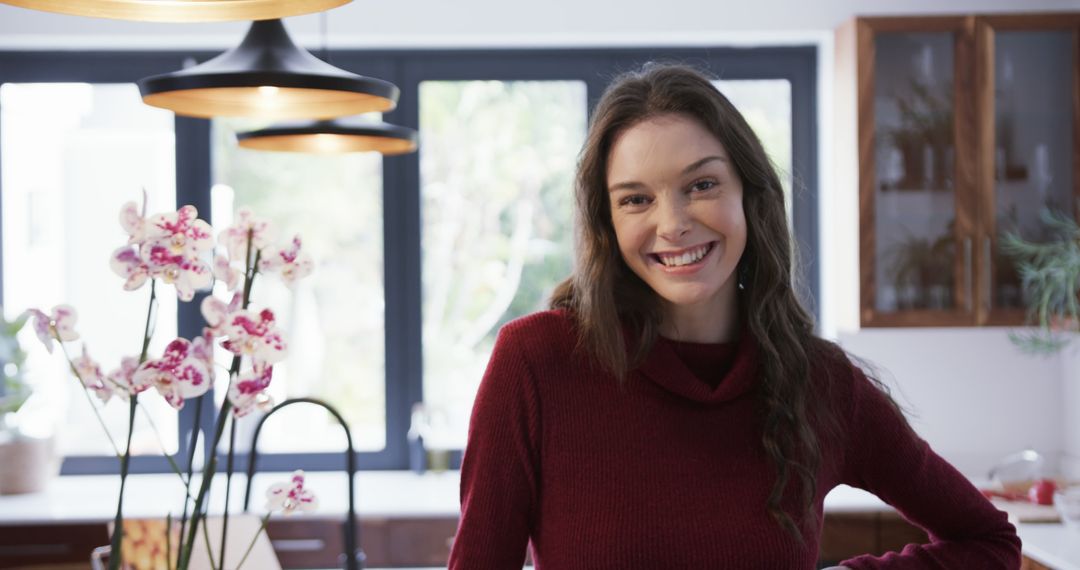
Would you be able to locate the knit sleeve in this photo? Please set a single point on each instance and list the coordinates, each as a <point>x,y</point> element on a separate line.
<point>885,457</point>
<point>499,472</point>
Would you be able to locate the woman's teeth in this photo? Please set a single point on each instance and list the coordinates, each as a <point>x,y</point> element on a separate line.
<point>692,256</point>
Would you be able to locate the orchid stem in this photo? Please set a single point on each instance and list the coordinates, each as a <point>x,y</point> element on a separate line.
<point>190,474</point>
<point>86,391</point>
<point>164,452</point>
<point>209,547</point>
<point>168,541</point>
<point>254,539</point>
<point>198,512</point>
<point>228,485</point>
<point>118,523</point>
<point>125,460</point>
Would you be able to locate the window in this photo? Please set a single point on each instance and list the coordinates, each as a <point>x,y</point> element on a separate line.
<point>73,153</point>
<point>766,104</point>
<point>333,320</point>
<point>420,258</point>
<point>496,170</point>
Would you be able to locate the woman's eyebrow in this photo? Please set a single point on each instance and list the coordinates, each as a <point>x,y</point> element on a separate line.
<point>625,186</point>
<point>699,163</point>
<point>634,185</point>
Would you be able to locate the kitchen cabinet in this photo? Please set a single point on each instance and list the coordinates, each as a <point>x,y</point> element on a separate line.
<point>955,130</point>
<point>316,542</point>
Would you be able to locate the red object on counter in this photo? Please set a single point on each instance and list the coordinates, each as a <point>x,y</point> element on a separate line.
<point>1042,492</point>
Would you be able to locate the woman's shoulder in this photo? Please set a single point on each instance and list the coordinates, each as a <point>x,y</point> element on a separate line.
<point>850,381</point>
<point>541,325</point>
<point>833,369</point>
<point>542,335</point>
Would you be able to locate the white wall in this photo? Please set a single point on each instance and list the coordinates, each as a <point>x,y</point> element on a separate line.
<point>976,397</point>
<point>971,394</point>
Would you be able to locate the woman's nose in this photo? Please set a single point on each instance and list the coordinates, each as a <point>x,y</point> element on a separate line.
<point>674,221</point>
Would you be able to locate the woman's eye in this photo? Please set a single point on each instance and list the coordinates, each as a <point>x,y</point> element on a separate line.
<point>636,200</point>
<point>703,185</point>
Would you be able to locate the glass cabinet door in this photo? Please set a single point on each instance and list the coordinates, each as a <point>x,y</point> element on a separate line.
<point>920,247</point>
<point>913,144</point>
<point>1030,155</point>
<point>968,131</point>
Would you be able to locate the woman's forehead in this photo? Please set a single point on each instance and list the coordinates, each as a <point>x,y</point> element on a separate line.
<point>663,145</point>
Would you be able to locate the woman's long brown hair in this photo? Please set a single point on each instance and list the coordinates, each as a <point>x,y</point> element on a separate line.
<point>604,295</point>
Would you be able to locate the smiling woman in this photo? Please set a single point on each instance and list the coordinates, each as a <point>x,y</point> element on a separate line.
<point>681,229</point>
<point>674,408</point>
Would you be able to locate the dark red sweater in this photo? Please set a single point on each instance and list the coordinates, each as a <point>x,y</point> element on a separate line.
<point>669,472</point>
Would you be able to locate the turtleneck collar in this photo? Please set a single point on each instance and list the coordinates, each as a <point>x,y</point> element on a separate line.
<point>666,368</point>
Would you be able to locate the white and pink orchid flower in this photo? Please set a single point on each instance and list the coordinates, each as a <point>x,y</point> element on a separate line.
<point>127,263</point>
<point>216,312</point>
<point>133,220</point>
<point>180,232</point>
<point>292,496</point>
<point>60,325</point>
<point>248,392</point>
<point>187,274</point>
<point>122,379</point>
<point>89,373</point>
<point>288,262</point>
<point>179,374</point>
<point>226,273</point>
<point>202,348</point>
<point>235,237</point>
<point>253,334</point>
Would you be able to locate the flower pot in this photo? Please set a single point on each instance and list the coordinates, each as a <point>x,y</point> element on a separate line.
<point>26,463</point>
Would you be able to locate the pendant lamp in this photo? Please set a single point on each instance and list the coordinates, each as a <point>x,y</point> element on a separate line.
<point>180,10</point>
<point>267,76</point>
<point>334,136</point>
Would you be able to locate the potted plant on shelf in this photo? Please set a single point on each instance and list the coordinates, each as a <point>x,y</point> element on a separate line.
<point>1049,273</point>
<point>27,460</point>
<point>921,271</point>
<point>923,136</point>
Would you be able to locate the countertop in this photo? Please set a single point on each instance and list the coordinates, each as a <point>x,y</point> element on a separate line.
<point>383,494</point>
<point>379,494</point>
<point>1053,545</point>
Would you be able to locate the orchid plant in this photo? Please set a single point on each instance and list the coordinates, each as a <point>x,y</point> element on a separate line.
<point>178,249</point>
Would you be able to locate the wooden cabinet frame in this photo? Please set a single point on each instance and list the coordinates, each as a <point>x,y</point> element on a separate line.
<point>986,26</point>
<point>973,134</point>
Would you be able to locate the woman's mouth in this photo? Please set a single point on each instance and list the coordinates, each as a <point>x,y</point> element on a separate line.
<point>688,259</point>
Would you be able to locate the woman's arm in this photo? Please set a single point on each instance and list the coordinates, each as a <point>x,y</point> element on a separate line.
<point>499,471</point>
<point>884,456</point>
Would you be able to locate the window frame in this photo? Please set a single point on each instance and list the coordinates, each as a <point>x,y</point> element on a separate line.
<point>402,222</point>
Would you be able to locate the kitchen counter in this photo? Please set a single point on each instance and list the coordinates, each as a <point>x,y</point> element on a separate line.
<point>1052,545</point>
<point>379,494</point>
<point>385,495</point>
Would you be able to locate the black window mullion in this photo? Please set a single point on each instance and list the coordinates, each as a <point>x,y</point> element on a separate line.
<point>804,163</point>
<point>402,235</point>
<point>193,181</point>
<point>401,255</point>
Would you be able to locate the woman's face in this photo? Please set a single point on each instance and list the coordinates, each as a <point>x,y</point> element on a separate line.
<point>676,204</point>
